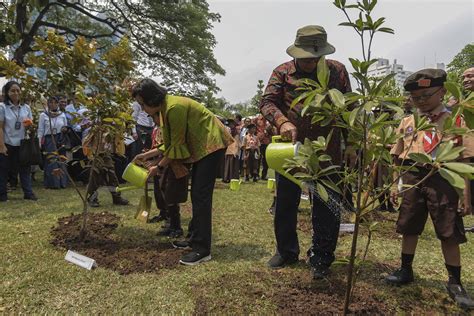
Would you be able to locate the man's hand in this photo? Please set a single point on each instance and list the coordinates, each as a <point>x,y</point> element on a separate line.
<point>466,207</point>
<point>288,132</point>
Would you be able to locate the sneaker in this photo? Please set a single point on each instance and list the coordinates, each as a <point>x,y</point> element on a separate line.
<point>401,276</point>
<point>460,296</point>
<point>31,197</point>
<point>193,258</point>
<point>320,272</point>
<point>93,202</point>
<point>278,262</point>
<point>181,244</point>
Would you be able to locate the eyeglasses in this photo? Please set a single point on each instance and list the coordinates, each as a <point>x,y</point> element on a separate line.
<point>425,96</point>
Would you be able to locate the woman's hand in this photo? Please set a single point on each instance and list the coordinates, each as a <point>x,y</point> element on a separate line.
<point>164,162</point>
<point>3,150</point>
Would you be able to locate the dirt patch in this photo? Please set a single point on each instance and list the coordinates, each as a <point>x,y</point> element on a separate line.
<point>302,295</point>
<point>109,250</point>
<point>221,185</point>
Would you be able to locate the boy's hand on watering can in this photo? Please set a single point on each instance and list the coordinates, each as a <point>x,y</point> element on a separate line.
<point>153,171</point>
<point>288,132</point>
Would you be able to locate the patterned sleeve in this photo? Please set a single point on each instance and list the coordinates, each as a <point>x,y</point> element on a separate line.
<point>2,113</point>
<point>272,97</point>
<point>397,148</point>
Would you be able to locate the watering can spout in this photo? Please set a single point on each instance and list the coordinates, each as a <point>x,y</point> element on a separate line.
<point>127,188</point>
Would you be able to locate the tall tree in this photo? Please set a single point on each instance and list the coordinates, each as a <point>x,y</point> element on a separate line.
<point>463,60</point>
<point>173,39</point>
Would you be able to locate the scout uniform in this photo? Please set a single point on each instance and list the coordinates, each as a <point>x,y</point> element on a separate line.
<point>433,195</point>
<point>251,146</point>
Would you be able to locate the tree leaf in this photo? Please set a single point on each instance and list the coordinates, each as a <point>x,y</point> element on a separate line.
<point>337,97</point>
<point>453,178</point>
<point>323,73</point>
<point>322,192</point>
<point>454,89</point>
<point>420,157</point>
<point>459,167</point>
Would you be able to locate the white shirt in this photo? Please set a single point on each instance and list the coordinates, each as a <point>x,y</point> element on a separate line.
<point>72,112</point>
<point>44,126</point>
<point>11,114</point>
<point>140,116</point>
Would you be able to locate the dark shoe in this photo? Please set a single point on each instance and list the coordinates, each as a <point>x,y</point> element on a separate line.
<point>158,218</point>
<point>193,258</point>
<point>382,208</point>
<point>181,244</point>
<point>391,209</point>
<point>176,233</point>
<point>278,262</point>
<point>165,232</point>
<point>400,277</point>
<point>31,197</point>
<point>320,272</point>
<point>117,199</point>
<point>255,179</point>
<point>460,296</point>
<point>93,202</point>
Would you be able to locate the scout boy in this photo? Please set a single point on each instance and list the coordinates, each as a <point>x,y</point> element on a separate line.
<point>434,195</point>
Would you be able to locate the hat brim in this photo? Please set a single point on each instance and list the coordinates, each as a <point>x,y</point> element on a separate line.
<point>309,52</point>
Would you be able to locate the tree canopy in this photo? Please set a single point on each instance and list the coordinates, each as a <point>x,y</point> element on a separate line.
<point>463,60</point>
<point>172,39</point>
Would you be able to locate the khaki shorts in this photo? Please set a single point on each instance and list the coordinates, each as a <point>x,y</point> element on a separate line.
<point>436,197</point>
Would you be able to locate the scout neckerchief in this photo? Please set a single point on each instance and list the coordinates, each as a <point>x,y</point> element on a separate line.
<point>430,138</point>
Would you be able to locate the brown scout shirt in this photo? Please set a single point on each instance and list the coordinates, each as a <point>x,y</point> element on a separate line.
<point>402,147</point>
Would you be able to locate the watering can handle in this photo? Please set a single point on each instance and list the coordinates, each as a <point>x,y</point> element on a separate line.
<point>277,139</point>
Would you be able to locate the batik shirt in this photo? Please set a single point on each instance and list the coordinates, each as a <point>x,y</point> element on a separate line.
<point>281,91</point>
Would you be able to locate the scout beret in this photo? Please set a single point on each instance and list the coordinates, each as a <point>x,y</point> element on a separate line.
<point>425,78</point>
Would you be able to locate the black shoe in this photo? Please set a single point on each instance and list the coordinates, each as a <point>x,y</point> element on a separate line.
<point>320,272</point>
<point>118,200</point>
<point>255,179</point>
<point>400,277</point>
<point>176,233</point>
<point>247,179</point>
<point>193,258</point>
<point>460,296</point>
<point>181,244</point>
<point>31,197</point>
<point>165,232</point>
<point>278,262</point>
<point>158,218</point>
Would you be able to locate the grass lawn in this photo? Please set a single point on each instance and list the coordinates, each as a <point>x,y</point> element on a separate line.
<point>35,278</point>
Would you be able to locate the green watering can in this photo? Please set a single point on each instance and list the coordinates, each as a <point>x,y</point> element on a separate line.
<point>278,152</point>
<point>136,175</point>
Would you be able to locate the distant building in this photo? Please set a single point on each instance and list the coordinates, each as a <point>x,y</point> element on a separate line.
<point>383,68</point>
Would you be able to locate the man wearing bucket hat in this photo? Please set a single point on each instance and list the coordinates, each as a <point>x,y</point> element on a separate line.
<point>431,194</point>
<point>310,45</point>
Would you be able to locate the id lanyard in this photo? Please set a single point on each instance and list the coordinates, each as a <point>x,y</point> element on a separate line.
<point>17,116</point>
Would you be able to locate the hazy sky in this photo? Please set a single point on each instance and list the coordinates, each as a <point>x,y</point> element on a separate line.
<point>253,35</point>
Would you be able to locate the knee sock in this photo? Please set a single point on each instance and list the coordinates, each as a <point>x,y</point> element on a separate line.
<point>407,260</point>
<point>454,274</point>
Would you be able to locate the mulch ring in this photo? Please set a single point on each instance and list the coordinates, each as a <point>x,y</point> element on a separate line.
<point>111,251</point>
<point>301,295</point>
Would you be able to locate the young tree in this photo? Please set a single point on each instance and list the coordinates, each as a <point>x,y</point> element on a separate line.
<point>97,85</point>
<point>365,115</point>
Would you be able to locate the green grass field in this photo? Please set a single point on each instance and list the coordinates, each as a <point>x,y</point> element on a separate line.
<point>35,278</point>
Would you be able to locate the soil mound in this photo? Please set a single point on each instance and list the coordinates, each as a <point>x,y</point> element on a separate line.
<point>110,250</point>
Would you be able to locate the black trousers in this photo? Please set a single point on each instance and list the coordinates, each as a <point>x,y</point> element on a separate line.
<point>204,174</point>
<point>263,160</point>
<point>325,225</point>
